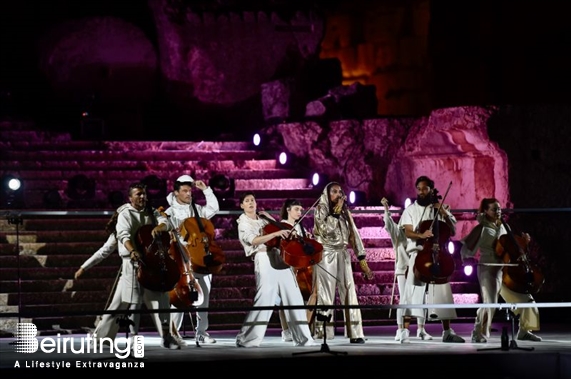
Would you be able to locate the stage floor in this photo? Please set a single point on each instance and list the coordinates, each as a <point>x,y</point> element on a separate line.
<point>380,355</point>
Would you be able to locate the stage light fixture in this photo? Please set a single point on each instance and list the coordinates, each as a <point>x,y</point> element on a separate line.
<point>283,158</point>
<point>451,247</point>
<point>315,179</point>
<point>358,198</point>
<point>223,188</point>
<point>257,139</point>
<point>12,192</point>
<point>468,270</point>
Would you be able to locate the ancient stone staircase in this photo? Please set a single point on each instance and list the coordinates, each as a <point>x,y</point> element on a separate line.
<point>54,243</point>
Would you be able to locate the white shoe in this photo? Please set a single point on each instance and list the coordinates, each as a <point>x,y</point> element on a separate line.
<point>404,335</point>
<point>526,335</point>
<point>286,335</point>
<point>423,335</point>
<point>204,338</point>
<point>397,335</point>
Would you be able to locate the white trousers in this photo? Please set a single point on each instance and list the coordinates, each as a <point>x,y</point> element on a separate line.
<point>108,327</point>
<point>491,287</point>
<point>271,284</point>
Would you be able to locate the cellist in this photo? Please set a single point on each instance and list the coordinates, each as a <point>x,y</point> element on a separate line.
<point>180,208</point>
<point>290,214</point>
<point>271,283</point>
<point>421,210</point>
<point>483,238</point>
<point>129,221</point>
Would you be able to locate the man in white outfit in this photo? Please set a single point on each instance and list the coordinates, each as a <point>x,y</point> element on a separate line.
<point>129,221</point>
<point>181,207</point>
<point>415,290</point>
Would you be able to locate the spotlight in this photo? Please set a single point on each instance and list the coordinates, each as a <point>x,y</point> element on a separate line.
<point>407,202</point>
<point>223,188</point>
<point>315,179</point>
<point>14,184</point>
<point>468,270</point>
<point>257,139</point>
<point>451,247</point>
<point>12,192</point>
<point>283,158</point>
<point>358,198</point>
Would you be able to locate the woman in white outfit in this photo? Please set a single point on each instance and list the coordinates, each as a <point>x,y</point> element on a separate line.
<point>483,238</point>
<point>271,283</point>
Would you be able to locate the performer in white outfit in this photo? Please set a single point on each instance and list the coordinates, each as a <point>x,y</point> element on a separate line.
<point>290,215</point>
<point>483,238</point>
<point>131,218</point>
<point>416,291</point>
<point>335,230</point>
<point>180,209</point>
<point>270,282</point>
<point>399,242</point>
<point>103,252</point>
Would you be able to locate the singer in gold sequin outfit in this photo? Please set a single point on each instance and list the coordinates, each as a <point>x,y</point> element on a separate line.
<point>335,229</point>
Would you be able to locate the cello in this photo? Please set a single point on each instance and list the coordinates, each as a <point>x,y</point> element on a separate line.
<point>434,263</point>
<point>519,275</point>
<point>187,291</point>
<point>296,251</point>
<point>157,270</point>
<point>206,255</point>
<point>299,252</point>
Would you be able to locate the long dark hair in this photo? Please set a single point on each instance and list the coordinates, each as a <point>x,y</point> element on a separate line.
<point>112,223</point>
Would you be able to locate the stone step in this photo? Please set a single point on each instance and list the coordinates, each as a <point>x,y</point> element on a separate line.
<point>30,140</point>
<point>136,155</point>
<point>112,175</point>
<point>129,164</point>
<point>123,183</point>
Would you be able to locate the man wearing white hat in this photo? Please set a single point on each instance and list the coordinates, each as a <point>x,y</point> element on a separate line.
<point>182,207</point>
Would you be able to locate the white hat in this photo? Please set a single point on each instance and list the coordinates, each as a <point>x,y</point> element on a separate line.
<point>185,178</point>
